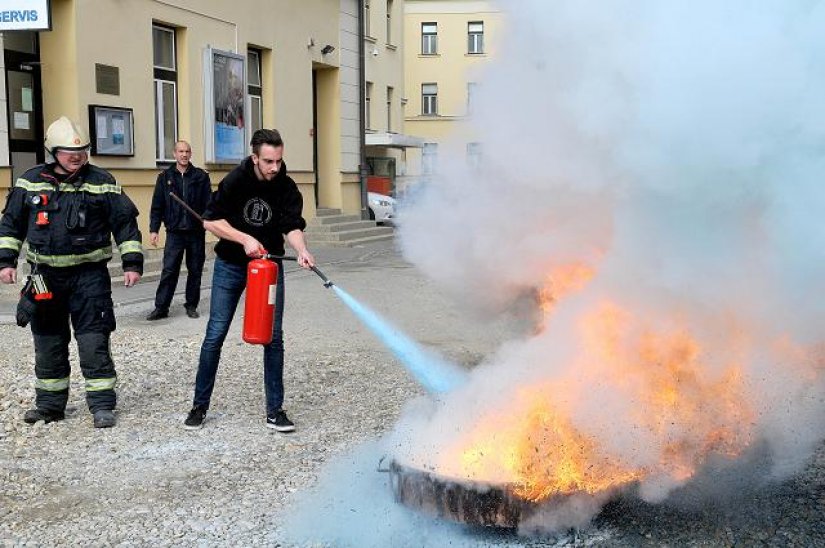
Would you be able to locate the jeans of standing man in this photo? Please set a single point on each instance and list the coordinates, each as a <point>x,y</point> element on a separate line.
<point>228,283</point>
<point>193,243</point>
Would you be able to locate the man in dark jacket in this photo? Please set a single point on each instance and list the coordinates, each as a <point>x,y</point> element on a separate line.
<point>68,210</point>
<point>184,232</point>
<point>255,206</point>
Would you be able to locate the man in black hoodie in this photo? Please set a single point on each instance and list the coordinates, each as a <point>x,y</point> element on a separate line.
<point>255,207</point>
<point>184,232</point>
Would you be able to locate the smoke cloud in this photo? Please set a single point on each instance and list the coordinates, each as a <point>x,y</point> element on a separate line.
<point>678,150</point>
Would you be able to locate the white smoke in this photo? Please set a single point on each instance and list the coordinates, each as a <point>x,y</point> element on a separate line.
<point>679,148</point>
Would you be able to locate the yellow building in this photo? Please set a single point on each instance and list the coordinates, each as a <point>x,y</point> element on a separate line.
<point>140,74</point>
<point>386,143</point>
<point>447,45</point>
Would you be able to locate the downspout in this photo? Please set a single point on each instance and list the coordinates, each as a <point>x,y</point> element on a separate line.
<point>362,94</point>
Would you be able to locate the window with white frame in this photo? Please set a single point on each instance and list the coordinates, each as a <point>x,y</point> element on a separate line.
<point>368,106</point>
<point>389,108</point>
<point>429,157</point>
<point>474,155</point>
<point>166,100</point>
<point>389,21</point>
<point>429,99</point>
<point>475,37</point>
<point>429,38</point>
<point>255,89</point>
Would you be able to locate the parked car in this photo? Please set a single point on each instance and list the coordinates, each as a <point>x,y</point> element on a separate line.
<point>382,207</point>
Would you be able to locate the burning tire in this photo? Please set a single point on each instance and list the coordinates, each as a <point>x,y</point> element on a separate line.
<point>461,502</point>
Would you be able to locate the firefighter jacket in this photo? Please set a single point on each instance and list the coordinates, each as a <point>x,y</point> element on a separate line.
<point>69,221</point>
<point>193,187</point>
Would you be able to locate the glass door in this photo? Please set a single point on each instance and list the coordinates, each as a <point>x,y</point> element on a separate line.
<point>25,101</point>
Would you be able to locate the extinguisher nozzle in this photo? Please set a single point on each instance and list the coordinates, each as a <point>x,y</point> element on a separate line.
<point>327,281</point>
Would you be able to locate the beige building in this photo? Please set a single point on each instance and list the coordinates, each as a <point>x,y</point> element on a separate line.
<point>140,74</point>
<point>448,43</point>
<point>387,145</point>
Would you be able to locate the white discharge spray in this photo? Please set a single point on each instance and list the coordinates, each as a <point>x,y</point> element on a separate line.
<point>674,152</point>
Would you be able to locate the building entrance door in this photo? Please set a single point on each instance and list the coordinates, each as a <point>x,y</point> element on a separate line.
<point>25,100</point>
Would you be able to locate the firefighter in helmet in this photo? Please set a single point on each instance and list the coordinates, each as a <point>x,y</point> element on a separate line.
<point>68,211</point>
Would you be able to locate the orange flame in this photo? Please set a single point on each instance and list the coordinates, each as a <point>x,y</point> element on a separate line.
<point>674,409</point>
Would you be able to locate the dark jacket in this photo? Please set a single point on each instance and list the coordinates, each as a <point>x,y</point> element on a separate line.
<point>81,213</point>
<point>193,187</point>
<point>265,210</point>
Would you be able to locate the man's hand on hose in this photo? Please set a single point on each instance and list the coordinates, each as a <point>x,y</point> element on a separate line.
<point>305,259</point>
<point>8,275</point>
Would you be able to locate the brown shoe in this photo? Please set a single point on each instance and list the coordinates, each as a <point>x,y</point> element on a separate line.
<point>192,312</point>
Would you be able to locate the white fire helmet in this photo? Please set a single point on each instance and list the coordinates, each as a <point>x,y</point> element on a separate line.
<point>66,135</point>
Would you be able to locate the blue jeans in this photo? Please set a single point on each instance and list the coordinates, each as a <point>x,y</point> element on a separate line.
<point>228,283</point>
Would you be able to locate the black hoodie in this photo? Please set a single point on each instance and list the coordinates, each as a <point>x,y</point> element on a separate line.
<point>266,210</point>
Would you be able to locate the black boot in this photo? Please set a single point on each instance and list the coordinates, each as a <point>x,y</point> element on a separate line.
<point>104,418</point>
<point>34,415</point>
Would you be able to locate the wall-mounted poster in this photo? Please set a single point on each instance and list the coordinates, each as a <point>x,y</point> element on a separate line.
<point>226,120</point>
<point>112,131</point>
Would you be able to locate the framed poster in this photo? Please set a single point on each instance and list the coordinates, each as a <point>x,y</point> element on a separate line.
<point>225,109</point>
<point>112,131</point>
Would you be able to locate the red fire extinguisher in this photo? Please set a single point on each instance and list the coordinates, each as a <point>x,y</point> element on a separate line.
<point>259,309</point>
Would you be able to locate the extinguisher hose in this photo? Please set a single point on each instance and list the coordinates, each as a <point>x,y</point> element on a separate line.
<point>327,281</point>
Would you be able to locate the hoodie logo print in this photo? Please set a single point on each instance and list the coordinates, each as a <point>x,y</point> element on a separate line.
<point>257,212</point>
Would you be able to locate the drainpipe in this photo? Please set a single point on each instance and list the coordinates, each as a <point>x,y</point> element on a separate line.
<point>362,94</point>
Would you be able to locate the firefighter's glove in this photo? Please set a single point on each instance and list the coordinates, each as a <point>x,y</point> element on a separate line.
<point>25,308</point>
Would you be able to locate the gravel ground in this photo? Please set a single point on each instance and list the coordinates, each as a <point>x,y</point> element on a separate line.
<point>150,482</point>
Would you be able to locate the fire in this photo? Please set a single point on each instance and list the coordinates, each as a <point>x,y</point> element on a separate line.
<point>658,411</point>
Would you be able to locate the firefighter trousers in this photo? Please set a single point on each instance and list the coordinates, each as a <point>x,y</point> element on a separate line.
<point>83,295</point>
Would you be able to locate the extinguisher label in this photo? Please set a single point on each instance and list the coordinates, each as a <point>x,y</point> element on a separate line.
<point>272,294</point>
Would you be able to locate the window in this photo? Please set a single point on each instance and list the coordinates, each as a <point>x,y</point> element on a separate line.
<point>163,45</point>
<point>474,155</point>
<point>429,156</point>
<point>255,89</point>
<point>367,109</point>
<point>429,38</point>
<point>429,99</point>
<point>472,91</point>
<point>389,21</point>
<point>389,108</point>
<point>367,18</point>
<point>475,37</point>
<point>166,95</point>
